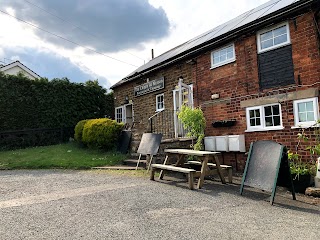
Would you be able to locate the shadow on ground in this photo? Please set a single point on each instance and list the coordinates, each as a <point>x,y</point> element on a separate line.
<point>214,187</point>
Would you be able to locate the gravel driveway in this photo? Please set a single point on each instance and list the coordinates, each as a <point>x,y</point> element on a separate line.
<point>58,204</point>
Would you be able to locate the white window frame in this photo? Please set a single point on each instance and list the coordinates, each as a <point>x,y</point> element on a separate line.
<point>262,126</point>
<point>271,29</point>
<point>227,60</point>
<point>297,123</point>
<point>122,113</point>
<point>157,101</point>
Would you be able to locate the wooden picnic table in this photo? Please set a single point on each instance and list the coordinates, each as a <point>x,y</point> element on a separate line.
<point>203,156</point>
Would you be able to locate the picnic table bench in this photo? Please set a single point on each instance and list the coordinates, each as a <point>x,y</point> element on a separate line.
<point>224,167</point>
<point>203,156</point>
<point>161,167</point>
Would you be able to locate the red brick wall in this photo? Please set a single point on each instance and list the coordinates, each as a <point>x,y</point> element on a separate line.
<point>239,81</point>
<point>236,82</point>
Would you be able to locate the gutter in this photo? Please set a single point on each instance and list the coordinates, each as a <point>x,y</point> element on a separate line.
<point>251,26</point>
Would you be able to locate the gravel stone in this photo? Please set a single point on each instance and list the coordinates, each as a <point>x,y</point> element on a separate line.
<point>66,204</point>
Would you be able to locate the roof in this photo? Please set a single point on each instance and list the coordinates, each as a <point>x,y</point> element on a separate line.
<point>248,20</point>
<point>22,66</point>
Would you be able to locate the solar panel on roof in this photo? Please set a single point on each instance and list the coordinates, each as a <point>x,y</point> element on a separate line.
<point>238,22</point>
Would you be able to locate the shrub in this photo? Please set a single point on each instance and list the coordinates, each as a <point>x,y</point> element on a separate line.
<point>101,133</point>
<point>78,130</point>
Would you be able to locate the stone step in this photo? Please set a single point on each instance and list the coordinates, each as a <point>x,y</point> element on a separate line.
<point>134,161</point>
<point>122,167</point>
<point>136,156</point>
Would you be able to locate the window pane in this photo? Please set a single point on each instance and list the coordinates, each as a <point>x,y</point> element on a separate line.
<point>275,110</point>
<point>230,49</point>
<point>216,60</point>
<point>223,51</point>
<point>280,31</point>
<point>258,122</point>
<point>257,112</point>
<point>216,55</point>
<point>230,55</point>
<point>268,121</point>
<point>310,116</point>
<point>302,117</point>
<point>309,106</point>
<point>301,107</point>
<point>223,58</point>
<point>251,113</point>
<point>280,39</point>
<point>266,36</point>
<point>267,111</point>
<point>266,44</point>
<point>276,121</point>
<point>252,122</point>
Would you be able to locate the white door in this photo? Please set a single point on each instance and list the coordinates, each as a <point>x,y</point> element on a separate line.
<point>182,95</point>
<point>128,114</point>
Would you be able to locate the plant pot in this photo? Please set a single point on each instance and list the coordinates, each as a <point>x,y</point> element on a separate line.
<point>301,182</point>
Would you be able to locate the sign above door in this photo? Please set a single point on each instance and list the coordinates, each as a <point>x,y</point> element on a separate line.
<point>149,87</point>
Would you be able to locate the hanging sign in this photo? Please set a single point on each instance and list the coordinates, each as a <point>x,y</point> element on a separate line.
<point>149,87</point>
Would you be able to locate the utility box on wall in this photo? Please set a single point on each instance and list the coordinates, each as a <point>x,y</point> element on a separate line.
<point>210,143</point>
<point>230,143</point>
<point>237,143</point>
<point>222,144</point>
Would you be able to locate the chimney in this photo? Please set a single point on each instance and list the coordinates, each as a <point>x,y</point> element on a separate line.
<point>152,54</point>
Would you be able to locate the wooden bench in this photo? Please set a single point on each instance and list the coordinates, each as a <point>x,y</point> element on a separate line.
<point>190,172</point>
<point>213,165</point>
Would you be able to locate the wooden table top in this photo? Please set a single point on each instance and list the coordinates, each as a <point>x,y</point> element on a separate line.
<point>190,152</point>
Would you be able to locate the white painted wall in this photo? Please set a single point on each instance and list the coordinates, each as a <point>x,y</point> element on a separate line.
<point>16,69</point>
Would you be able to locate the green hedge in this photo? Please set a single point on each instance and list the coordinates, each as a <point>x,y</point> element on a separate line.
<point>31,104</point>
<point>34,137</point>
<point>99,133</point>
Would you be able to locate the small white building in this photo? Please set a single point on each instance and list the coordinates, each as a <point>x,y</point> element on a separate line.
<point>17,67</point>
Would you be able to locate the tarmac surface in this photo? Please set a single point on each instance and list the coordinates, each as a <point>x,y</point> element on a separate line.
<point>65,204</point>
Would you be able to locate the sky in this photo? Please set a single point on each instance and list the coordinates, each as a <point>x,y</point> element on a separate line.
<point>103,39</point>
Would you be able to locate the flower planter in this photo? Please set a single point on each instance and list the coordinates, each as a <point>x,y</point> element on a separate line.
<point>224,123</point>
<point>301,182</point>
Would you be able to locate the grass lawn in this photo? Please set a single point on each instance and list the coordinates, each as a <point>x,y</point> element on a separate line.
<point>67,156</point>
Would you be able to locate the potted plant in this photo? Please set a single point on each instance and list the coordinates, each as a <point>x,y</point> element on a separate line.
<point>193,120</point>
<point>301,172</point>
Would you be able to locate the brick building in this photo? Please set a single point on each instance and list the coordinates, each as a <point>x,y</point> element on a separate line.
<point>256,75</point>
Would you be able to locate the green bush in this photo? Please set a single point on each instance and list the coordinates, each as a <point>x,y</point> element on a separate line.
<point>78,130</point>
<point>101,133</point>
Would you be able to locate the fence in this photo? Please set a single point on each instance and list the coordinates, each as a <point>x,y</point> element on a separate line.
<point>34,137</point>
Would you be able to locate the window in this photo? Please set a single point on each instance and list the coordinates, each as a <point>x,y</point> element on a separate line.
<point>119,116</point>
<point>273,38</point>
<point>305,112</point>
<point>159,102</point>
<point>262,118</point>
<point>223,56</point>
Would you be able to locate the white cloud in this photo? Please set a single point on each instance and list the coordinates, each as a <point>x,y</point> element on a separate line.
<point>187,18</point>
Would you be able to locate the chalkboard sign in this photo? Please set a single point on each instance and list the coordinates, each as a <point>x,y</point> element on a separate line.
<point>150,143</point>
<point>124,141</point>
<point>263,165</point>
